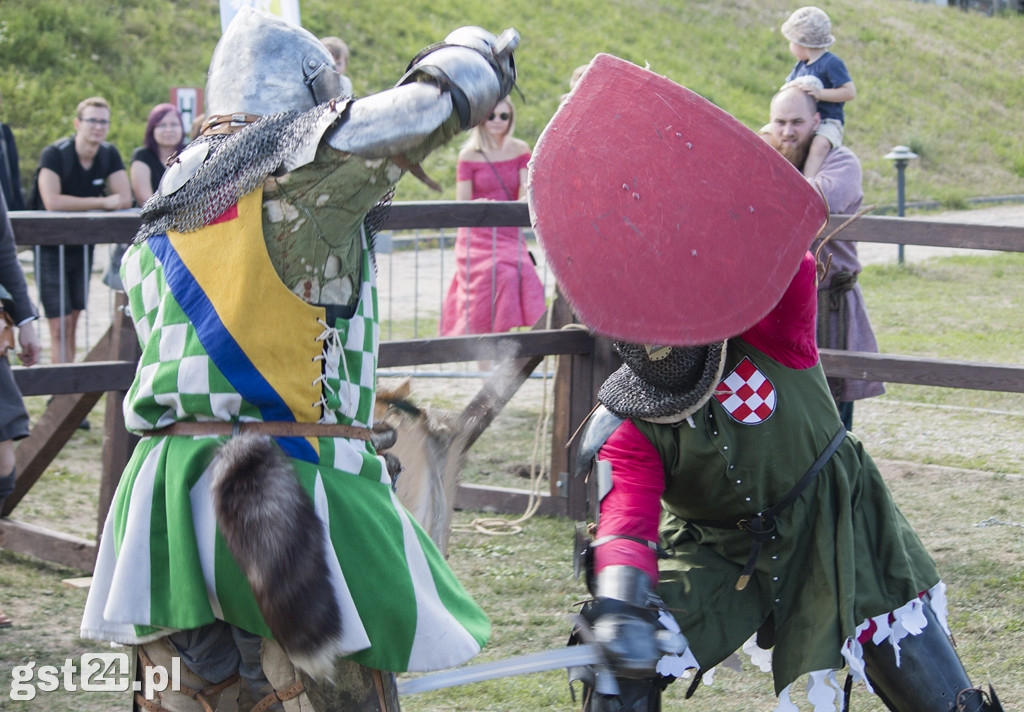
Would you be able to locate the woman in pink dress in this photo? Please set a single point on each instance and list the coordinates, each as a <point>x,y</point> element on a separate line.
<point>495,287</point>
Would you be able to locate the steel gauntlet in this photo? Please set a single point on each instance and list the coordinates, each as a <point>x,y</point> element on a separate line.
<point>475,66</point>
<point>624,619</point>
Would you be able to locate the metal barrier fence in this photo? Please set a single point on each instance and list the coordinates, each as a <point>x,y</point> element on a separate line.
<point>415,270</point>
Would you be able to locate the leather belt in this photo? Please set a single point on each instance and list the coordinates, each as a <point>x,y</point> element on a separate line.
<point>282,429</point>
<point>761,526</point>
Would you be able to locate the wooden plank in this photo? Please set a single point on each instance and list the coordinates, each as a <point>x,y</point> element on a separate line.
<point>118,443</point>
<point>561,427</point>
<point>577,381</point>
<point>42,227</point>
<point>432,214</point>
<point>32,227</point>
<point>63,414</point>
<point>47,228</point>
<point>581,403</point>
<point>508,376</point>
<point>483,347</point>
<point>48,436</point>
<point>493,396</point>
<point>923,371</point>
<point>74,377</point>
<point>505,500</point>
<point>48,545</point>
<point>907,231</point>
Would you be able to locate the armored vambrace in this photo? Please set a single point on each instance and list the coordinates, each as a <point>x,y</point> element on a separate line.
<point>469,72</point>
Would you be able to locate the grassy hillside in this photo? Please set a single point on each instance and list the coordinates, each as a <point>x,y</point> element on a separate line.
<point>943,82</point>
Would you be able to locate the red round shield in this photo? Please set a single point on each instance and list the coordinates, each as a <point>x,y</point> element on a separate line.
<point>664,219</point>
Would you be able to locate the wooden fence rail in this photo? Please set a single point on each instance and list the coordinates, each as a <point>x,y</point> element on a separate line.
<point>110,365</point>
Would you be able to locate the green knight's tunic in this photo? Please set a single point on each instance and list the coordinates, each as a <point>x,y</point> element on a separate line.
<point>843,552</point>
<point>231,329</point>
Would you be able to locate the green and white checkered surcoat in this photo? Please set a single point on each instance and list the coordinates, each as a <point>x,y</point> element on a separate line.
<point>224,339</point>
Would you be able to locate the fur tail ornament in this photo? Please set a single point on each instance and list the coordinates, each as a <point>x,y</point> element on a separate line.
<point>272,529</point>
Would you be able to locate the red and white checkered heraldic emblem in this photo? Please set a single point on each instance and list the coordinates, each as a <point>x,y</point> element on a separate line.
<point>746,394</point>
<point>663,218</point>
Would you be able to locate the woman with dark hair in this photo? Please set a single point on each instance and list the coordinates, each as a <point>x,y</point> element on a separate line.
<point>165,136</point>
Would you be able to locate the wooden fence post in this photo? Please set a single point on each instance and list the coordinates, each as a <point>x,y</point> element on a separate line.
<point>118,443</point>
<point>576,383</point>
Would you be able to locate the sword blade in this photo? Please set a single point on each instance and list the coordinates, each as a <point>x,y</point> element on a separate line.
<point>519,665</point>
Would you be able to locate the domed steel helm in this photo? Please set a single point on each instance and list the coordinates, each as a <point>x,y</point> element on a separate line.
<point>264,65</point>
<point>663,384</point>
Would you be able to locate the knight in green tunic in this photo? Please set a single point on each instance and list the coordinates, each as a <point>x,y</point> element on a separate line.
<point>255,532</point>
<point>732,496</point>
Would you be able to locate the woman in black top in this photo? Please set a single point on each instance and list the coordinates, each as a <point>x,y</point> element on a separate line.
<point>165,136</point>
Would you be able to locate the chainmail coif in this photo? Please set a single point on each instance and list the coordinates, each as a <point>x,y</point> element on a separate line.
<point>662,384</point>
<point>235,165</point>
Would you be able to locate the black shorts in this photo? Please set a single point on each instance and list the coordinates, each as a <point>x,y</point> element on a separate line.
<point>74,277</point>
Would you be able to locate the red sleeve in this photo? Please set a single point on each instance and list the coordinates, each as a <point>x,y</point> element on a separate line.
<point>633,506</point>
<point>788,333</point>
<point>464,170</point>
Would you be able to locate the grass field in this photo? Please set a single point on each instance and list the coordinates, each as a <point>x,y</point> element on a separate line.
<point>943,82</point>
<point>954,460</point>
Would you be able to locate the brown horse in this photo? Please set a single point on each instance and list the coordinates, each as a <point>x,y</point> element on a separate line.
<point>431,452</point>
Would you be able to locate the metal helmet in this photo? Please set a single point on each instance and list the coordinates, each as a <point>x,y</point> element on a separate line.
<point>264,65</point>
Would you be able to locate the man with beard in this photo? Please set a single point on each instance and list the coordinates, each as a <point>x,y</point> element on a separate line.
<point>842,316</point>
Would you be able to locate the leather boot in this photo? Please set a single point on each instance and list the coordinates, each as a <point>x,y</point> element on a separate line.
<point>930,676</point>
<point>194,694</point>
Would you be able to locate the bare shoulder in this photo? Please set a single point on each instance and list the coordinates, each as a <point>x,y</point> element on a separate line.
<point>519,146</point>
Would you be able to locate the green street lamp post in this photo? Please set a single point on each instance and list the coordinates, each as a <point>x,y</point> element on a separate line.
<point>901,156</point>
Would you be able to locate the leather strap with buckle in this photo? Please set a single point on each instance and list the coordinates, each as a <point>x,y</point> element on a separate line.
<point>227,123</point>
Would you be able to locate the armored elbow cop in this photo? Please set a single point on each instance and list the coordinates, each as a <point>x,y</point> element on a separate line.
<point>477,68</point>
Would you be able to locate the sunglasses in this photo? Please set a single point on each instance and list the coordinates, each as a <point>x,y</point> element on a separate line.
<point>504,116</point>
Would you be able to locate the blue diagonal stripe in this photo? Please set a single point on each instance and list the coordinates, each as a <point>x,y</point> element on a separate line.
<point>222,348</point>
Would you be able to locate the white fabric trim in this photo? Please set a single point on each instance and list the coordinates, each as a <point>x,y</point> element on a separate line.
<point>908,620</point>
<point>824,691</point>
<point>440,639</point>
<point>204,521</point>
<point>119,594</point>
<point>353,633</point>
